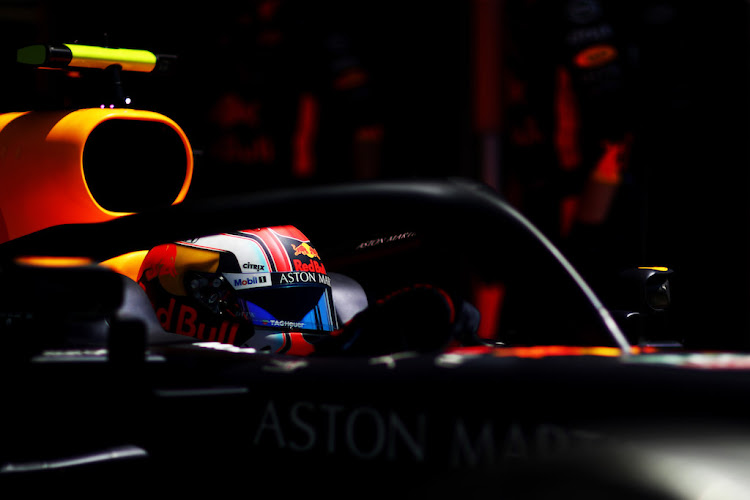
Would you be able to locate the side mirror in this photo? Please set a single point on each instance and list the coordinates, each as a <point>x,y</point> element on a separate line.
<point>641,306</point>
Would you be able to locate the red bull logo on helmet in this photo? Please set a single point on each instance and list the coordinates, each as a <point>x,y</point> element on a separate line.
<point>185,320</point>
<point>160,262</point>
<point>313,266</point>
<point>306,250</point>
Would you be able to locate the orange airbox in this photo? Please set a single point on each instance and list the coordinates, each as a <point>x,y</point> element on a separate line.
<point>88,165</point>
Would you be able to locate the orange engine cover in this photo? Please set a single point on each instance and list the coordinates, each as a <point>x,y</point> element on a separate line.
<point>88,165</point>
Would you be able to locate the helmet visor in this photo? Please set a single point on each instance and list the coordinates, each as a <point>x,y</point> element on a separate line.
<point>293,301</point>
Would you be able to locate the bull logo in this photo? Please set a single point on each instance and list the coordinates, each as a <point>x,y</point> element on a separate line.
<point>306,250</point>
<point>160,261</point>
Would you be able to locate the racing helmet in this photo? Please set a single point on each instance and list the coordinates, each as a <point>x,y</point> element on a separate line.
<point>247,288</point>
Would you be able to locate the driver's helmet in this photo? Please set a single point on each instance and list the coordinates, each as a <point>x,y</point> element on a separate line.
<point>242,288</point>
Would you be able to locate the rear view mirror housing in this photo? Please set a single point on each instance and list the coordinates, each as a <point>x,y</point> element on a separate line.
<point>641,306</point>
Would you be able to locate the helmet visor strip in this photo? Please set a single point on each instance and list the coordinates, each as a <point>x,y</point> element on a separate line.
<point>286,301</point>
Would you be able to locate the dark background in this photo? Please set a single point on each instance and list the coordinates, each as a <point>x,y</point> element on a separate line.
<point>690,103</point>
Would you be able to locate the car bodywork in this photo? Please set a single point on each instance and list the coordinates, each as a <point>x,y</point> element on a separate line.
<point>98,394</point>
<point>555,400</point>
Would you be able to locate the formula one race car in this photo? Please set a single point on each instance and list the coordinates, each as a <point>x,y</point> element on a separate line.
<point>439,344</point>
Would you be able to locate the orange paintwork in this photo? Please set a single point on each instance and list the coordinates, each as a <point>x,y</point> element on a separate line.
<point>53,261</point>
<point>546,351</point>
<point>42,182</point>
<point>128,264</point>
